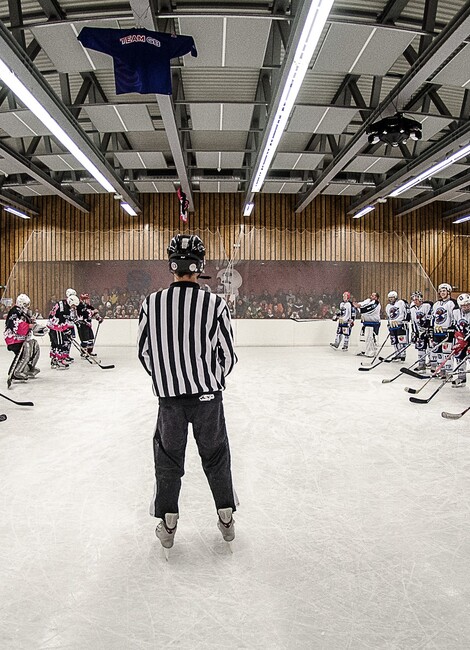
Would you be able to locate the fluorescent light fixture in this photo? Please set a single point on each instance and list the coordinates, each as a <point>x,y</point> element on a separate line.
<point>17,213</point>
<point>311,32</point>
<point>130,210</point>
<point>28,99</point>
<point>364,211</point>
<point>462,219</point>
<point>248,209</point>
<point>432,171</point>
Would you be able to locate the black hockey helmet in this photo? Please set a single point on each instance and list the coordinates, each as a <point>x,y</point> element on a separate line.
<point>186,254</point>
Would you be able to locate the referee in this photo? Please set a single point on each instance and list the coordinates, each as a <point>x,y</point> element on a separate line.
<point>186,344</point>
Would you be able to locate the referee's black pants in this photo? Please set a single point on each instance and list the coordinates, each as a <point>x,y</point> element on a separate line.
<point>206,414</point>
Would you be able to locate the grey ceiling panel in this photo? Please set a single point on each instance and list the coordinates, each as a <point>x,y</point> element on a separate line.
<point>280,187</point>
<point>90,187</point>
<point>22,124</point>
<point>63,162</point>
<point>457,71</point>
<point>450,171</point>
<point>33,190</point>
<point>156,141</point>
<point>343,189</point>
<point>246,42</point>
<point>236,117</point>
<point>120,118</point>
<point>218,186</point>
<point>217,140</point>
<point>224,117</point>
<point>294,141</point>
<point>59,41</point>
<point>219,159</point>
<point>302,161</point>
<point>431,124</point>
<point>459,197</point>
<point>165,187</point>
<point>141,160</point>
<point>9,166</point>
<point>205,117</point>
<point>372,164</point>
<point>209,50</point>
<point>318,119</point>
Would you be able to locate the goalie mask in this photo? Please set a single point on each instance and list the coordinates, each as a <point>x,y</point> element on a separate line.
<point>186,254</point>
<point>70,292</point>
<point>23,301</point>
<point>463,299</point>
<point>73,301</point>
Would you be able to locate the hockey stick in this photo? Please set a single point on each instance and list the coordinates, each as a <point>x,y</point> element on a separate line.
<point>398,352</point>
<point>400,374</point>
<point>414,391</point>
<point>3,417</point>
<point>454,416</point>
<point>417,400</point>
<point>416,375</point>
<point>97,330</point>
<point>15,402</point>
<point>379,350</point>
<point>390,356</point>
<point>297,320</point>
<point>91,359</point>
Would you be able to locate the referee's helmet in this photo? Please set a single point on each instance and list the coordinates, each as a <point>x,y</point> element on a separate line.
<point>186,254</point>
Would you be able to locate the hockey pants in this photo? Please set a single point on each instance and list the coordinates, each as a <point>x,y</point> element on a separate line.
<point>206,414</point>
<point>399,340</point>
<point>61,342</point>
<point>26,357</point>
<point>343,332</point>
<point>443,347</point>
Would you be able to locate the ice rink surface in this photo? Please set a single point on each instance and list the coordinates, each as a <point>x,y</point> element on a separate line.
<point>353,530</point>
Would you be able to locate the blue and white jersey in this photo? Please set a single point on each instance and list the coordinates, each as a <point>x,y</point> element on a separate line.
<point>396,313</point>
<point>370,310</point>
<point>462,322</point>
<point>443,314</point>
<point>141,57</point>
<point>421,317</point>
<point>346,313</point>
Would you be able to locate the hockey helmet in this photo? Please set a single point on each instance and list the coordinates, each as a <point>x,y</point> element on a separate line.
<point>346,295</point>
<point>70,292</point>
<point>417,295</point>
<point>84,297</point>
<point>463,299</point>
<point>186,254</point>
<point>444,286</point>
<point>392,295</point>
<point>23,301</point>
<point>73,300</point>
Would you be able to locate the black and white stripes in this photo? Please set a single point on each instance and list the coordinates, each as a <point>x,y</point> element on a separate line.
<point>185,340</point>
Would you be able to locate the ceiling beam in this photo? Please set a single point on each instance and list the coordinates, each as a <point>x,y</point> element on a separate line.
<point>449,39</point>
<point>144,16</point>
<point>442,194</point>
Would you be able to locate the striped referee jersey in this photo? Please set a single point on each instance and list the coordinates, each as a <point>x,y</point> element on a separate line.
<point>185,340</point>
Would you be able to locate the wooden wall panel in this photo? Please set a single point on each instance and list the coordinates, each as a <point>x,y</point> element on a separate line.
<point>322,232</point>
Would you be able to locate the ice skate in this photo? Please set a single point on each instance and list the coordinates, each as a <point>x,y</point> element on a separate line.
<point>20,376</point>
<point>344,348</point>
<point>334,345</point>
<point>226,525</point>
<point>166,530</point>
<point>459,382</point>
<point>361,354</point>
<point>33,372</point>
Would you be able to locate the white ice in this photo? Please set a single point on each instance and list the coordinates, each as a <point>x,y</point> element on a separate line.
<point>353,529</point>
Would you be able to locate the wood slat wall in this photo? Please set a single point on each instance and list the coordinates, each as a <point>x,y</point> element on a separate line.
<point>323,232</point>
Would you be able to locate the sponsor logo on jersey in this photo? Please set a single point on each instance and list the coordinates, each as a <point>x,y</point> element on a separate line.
<point>440,315</point>
<point>393,313</point>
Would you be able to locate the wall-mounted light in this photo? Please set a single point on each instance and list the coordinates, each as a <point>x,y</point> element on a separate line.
<point>364,211</point>
<point>248,209</point>
<point>17,213</point>
<point>462,219</point>
<point>129,209</point>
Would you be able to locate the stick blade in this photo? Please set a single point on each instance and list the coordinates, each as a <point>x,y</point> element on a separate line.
<point>451,416</point>
<point>417,400</point>
<point>413,391</point>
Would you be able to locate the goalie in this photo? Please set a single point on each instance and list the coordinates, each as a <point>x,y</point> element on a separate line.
<point>19,329</point>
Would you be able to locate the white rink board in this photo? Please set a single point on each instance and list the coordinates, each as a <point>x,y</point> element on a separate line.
<point>247,333</point>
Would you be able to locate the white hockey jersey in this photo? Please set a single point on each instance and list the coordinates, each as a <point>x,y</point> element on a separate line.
<point>443,313</point>
<point>421,317</point>
<point>396,313</point>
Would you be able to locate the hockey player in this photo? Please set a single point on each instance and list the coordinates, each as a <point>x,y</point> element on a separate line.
<point>397,311</point>
<point>443,323</point>
<point>85,315</point>
<point>61,330</point>
<point>18,337</point>
<point>461,338</point>
<point>185,343</point>
<point>345,317</point>
<point>421,331</point>
<point>370,309</point>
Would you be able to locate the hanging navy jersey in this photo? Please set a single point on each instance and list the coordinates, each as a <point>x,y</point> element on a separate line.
<point>141,57</point>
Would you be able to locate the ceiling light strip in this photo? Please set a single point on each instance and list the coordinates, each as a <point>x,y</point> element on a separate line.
<point>311,31</point>
<point>26,97</point>
<point>17,213</point>
<point>364,211</point>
